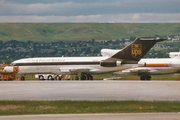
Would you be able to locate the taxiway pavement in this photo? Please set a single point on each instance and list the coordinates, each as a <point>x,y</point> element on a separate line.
<point>104,116</point>
<point>90,90</point>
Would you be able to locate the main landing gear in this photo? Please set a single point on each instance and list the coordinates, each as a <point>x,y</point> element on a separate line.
<point>84,77</point>
<point>145,77</point>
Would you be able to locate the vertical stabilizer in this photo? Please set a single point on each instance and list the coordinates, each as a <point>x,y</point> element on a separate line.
<point>135,51</point>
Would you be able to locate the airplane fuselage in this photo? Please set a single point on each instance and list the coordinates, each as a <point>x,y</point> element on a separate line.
<point>65,65</point>
<point>156,66</point>
<point>123,59</point>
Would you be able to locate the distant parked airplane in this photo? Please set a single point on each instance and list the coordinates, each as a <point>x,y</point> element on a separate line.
<point>84,67</point>
<point>148,67</point>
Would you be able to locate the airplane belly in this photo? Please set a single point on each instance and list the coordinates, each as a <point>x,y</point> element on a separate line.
<point>71,69</point>
<point>92,69</point>
<point>100,69</point>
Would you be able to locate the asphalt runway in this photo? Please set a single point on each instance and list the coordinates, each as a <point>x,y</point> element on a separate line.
<point>90,90</point>
<point>109,116</point>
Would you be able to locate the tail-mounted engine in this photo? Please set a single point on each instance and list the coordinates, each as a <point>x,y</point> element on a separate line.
<point>110,63</point>
<point>141,64</point>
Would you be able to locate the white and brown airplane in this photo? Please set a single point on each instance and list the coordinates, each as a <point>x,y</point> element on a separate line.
<point>85,67</point>
<point>155,66</point>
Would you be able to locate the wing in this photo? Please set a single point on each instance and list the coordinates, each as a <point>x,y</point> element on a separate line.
<point>140,70</point>
<point>73,70</point>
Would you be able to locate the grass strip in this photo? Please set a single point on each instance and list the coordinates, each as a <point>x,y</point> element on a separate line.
<point>75,107</point>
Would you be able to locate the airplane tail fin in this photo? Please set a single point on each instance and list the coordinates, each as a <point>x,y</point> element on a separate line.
<point>137,49</point>
<point>132,53</point>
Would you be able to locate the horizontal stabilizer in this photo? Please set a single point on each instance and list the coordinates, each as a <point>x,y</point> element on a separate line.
<point>152,39</point>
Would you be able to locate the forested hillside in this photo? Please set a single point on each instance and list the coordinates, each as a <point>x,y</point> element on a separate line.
<point>53,32</point>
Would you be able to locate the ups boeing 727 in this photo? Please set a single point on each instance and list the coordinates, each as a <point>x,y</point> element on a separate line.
<point>85,67</point>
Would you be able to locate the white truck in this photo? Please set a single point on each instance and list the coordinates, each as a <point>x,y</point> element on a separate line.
<point>45,76</point>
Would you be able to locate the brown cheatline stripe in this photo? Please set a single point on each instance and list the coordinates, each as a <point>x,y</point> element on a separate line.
<point>56,63</point>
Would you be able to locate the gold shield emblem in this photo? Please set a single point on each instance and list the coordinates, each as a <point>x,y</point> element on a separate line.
<point>136,50</point>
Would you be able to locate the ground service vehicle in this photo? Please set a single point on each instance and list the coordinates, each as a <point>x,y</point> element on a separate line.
<point>9,75</point>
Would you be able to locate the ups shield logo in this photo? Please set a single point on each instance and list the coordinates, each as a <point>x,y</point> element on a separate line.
<point>136,50</point>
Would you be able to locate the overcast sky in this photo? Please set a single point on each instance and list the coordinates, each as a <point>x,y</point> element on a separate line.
<point>101,11</point>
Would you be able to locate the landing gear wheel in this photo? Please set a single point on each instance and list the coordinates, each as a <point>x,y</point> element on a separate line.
<point>22,78</point>
<point>148,77</point>
<point>50,77</point>
<point>145,77</point>
<point>83,77</point>
<point>41,77</point>
<point>142,78</point>
<point>76,78</point>
<point>91,77</point>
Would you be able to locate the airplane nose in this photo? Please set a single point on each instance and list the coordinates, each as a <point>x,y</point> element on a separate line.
<point>8,68</point>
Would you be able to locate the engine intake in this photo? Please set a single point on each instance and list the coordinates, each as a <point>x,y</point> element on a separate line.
<point>110,63</point>
<point>141,64</point>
